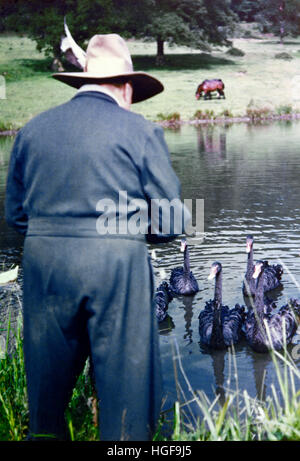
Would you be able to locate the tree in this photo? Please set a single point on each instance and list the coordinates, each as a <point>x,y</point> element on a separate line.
<point>194,23</point>
<point>246,9</point>
<point>44,21</point>
<point>281,17</point>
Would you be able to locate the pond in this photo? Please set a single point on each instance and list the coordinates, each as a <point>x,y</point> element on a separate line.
<point>248,177</point>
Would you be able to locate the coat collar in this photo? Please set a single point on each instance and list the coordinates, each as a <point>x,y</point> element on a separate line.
<point>100,89</point>
<point>95,94</point>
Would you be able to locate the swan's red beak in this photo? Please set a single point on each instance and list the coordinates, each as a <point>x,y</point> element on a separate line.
<point>213,273</point>
<point>248,247</point>
<point>182,247</point>
<point>257,271</point>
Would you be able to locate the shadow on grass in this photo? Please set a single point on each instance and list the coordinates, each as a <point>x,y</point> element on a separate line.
<point>37,65</point>
<point>25,68</point>
<point>277,42</point>
<point>180,62</point>
<point>21,69</point>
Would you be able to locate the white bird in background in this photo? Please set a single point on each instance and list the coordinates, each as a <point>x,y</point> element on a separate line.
<point>9,276</point>
<point>73,53</point>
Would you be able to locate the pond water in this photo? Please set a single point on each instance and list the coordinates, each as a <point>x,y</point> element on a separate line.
<point>248,177</point>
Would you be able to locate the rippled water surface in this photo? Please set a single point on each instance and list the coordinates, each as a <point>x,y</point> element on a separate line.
<point>248,177</point>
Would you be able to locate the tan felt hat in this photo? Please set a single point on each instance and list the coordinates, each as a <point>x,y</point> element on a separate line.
<point>107,59</point>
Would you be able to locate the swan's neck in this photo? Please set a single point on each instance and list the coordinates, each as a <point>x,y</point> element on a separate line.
<point>259,295</point>
<point>217,339</point>
<point>218,289</point>
<point>186,263</point>
<point>250,262</point>
<point>217,329</point>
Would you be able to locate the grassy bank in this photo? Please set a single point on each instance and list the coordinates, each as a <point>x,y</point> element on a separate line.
<point>257,84</point>
<point>240,418</point>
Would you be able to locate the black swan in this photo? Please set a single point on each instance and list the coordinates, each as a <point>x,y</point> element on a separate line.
<point>255,328</point>
<point>163,297</point>
<point>219,326</point>
<point>182,280</point>
<point>272,274</point>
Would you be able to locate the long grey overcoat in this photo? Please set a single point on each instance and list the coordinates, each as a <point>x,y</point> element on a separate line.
<point>87,292</point>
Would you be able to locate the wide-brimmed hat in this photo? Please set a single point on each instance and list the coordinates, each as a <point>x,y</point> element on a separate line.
<point>107,60</point>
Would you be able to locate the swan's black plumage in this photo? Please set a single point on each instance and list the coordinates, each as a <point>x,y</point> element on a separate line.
<point>255,329</point>
<point>219,326</point>
<point>163,297</point>
<point>182,280</point>
<point>272,273</point>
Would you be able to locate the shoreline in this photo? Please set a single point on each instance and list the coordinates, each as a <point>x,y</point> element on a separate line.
<point>205,121</point>
<point>228,120</point>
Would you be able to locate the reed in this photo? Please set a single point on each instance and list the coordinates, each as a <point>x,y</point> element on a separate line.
<point>240,418</point>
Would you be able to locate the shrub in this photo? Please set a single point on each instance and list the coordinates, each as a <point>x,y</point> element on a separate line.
<point>284,109</point>
<point>173,117</point>
<point>235,52</point>
<point>283,55</point>
<point>204,115</point>
<point>256,111</point>
<point>226,113</point>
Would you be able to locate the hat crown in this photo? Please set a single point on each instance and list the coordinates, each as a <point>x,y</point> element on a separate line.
<point>108,55</point>
<point>106,60</point>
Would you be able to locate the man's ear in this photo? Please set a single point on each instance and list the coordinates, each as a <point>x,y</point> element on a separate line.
<point>127,94</point>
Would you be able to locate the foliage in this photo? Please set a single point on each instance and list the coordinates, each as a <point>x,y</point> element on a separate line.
<point>204,115</point>
<point>194,23</point>
<point>235,52</point>
<point>284,109</point>
<point>14,417</point>
<point>283,55</point>
<point>13,394</point>
<point>174,117</point>
<point>281,17</point>
<point>256,112</point>
<point>246,9</point>
<point>241,417</point>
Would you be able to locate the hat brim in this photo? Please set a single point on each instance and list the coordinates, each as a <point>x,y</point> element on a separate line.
<point>144,85</point>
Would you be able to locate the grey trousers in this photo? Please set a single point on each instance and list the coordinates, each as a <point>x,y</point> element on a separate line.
<point>91,296</point>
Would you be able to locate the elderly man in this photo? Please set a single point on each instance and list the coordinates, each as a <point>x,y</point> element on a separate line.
<point>76,173</point>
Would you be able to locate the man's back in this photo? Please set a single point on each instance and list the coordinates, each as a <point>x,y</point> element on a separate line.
<point>87,150</point>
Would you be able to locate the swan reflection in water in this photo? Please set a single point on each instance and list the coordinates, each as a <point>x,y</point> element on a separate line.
<point>188,316</point>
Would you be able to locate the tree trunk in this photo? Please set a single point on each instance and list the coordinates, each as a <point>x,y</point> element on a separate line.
<point>57,65</point>
<point>160,52</point>
<point>281,13</point>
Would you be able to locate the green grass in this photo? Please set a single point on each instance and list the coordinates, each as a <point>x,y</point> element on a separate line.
<point>14,417</point>
<point>257,76</point>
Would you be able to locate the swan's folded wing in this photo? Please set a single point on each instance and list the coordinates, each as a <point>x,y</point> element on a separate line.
<point>206,322</point>
<point>232,321</point>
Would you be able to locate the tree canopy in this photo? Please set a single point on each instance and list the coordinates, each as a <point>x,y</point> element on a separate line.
<point>280,17</point>
<point>195,23</point>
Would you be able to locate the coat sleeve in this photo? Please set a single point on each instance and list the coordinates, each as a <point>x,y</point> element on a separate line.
<point>14,212</point>
<point>168,216</point>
